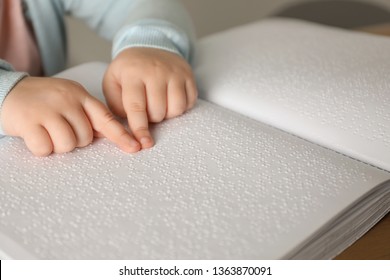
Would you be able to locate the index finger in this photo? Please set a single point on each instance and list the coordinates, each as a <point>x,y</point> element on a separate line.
<point>103,121</point>
<point>135,105</point>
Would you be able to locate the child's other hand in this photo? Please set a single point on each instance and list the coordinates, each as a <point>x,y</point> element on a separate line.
<point>58,115</point>
<point>148,85</point>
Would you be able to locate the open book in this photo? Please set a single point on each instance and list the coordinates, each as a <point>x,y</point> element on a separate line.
<point>286,155</point>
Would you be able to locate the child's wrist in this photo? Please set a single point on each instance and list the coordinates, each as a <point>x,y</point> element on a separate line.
<point>8,80</point>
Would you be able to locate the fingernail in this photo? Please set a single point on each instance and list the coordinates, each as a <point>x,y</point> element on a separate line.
<point>146,141</point>
<point>130,145</point>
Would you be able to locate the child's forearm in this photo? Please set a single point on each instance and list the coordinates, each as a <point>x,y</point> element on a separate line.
<point>163,24</point>
<point>8,79</point>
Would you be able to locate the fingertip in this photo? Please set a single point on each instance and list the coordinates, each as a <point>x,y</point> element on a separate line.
<point>177,99</point>
<point>38,141</point>
<point>142,135</point>
<point>146,142</point>
<point>128,144</point>
<point>192,93</point>
<point>42,152</point>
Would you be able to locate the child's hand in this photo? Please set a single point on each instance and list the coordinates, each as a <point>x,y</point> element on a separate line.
<point>57,115</point>
<point>148,85</point>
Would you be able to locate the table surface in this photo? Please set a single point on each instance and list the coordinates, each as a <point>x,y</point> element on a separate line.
<point>375,244</point>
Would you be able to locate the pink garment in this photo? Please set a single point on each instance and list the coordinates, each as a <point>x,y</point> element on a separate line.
<point>17,43</point>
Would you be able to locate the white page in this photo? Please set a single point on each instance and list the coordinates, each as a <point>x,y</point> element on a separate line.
<point>217,185</point>
<point>327,85</point>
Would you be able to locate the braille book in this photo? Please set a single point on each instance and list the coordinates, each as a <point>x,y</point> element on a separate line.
<point>285,156</point>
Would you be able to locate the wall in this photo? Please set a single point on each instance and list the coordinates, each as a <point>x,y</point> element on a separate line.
<point>214,15</point>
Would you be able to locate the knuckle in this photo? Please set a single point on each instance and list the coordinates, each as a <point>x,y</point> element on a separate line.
<point>156,117</point>
<point>67,91</point>
<point>136,107</point>
<point>106,121</point>
<point>76,85</point>
<point>140,130</point>
<point>186,70</point>
<point>62,97</point>
<point>127,72</point>
<point>107,117</point>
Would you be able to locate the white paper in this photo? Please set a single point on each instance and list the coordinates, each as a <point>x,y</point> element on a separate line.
<point>327,85</point>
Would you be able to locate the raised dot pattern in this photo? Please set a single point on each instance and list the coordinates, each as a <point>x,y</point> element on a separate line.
<point>313,81</point>
<point>217,185</point>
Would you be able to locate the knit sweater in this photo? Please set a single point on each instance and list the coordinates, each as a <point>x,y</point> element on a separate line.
<point>162,24</point>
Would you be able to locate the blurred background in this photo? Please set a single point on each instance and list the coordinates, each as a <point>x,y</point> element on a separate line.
<point>211,16</point>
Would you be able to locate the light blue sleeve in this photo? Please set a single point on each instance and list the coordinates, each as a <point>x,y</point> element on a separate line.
<point>8,79</point>
<point>163,24</point>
